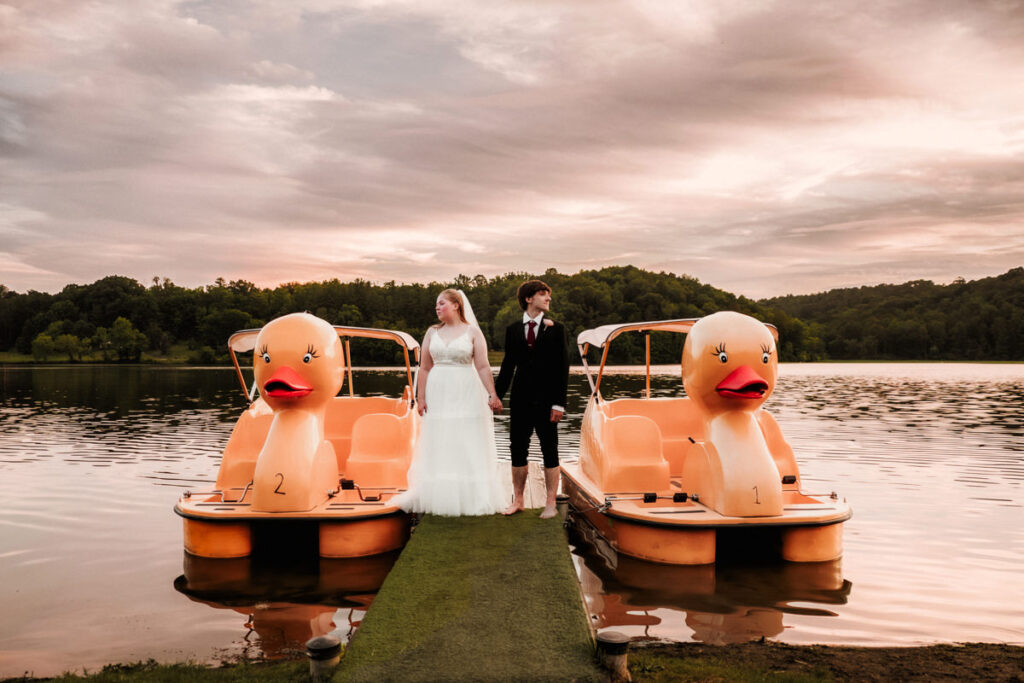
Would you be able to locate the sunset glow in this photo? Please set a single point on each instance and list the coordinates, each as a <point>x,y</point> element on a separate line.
<point>763,147</point>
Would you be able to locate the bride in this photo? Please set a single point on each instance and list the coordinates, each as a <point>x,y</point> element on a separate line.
<point>453,469</point>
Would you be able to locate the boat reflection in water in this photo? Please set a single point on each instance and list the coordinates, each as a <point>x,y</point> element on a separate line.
<point>731,601</point>
<point>286,600</point>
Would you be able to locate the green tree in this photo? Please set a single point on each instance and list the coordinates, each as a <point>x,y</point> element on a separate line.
<point>216,327</point>
<point>507,314</point>
<point>100,342</point>
<point>157,338</point>
<point>69,344</point>
<point>127,342</point>
<point>42,347</point>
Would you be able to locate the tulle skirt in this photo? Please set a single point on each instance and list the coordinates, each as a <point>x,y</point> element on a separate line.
<point>453,471</point>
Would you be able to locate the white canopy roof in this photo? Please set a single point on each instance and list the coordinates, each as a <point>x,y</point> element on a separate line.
<point>599,336</point>
<point>245,340</point>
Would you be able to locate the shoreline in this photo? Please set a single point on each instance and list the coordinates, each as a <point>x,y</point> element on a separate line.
<point>495,364</point>
<point>758,660</point>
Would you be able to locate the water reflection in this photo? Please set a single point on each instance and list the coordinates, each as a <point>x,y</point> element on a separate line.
<point>92,458</point>
<point>726,602</point>
<point>286,602</point>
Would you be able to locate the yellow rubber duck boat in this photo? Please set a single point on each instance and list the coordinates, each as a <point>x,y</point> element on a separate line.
<point>301,452</point>
<point>661,478</point>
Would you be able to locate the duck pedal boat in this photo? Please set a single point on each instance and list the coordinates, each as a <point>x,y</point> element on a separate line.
<point>302,453</point>
<point>662,478</point>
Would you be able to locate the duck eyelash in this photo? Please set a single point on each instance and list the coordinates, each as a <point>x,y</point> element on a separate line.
<point>312,351</point>
<point>263,350</point>
<point>766,349</point>
<point>718,349</point>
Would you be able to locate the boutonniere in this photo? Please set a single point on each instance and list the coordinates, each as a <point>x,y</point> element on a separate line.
<point>548,323</point>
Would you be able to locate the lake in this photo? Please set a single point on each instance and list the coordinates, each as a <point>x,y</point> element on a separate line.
<point>92,459</point>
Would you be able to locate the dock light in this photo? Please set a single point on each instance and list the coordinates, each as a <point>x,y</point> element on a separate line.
<point>613,650</point>
<point>650,497</point>
<point>789,479</point>
<point>679,497</point>
<point>562,504</point>
<point>324,653</point>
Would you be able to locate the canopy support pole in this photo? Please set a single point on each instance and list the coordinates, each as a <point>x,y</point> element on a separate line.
<point>348,362</point>
<point>600,371</point>
<point>583,349</point>
<point>647,354</point>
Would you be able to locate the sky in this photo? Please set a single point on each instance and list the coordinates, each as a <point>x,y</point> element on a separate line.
<point>763,147</point>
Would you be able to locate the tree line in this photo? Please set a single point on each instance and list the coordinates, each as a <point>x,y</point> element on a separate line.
<point>119,318</point>
<point>919,320</point>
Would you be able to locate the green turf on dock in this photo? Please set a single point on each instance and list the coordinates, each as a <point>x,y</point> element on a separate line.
<point>477,598</point>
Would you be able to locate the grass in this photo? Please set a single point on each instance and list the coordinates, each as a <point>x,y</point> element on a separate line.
<point>477,598</point>
<point>768,661</point>
<point>152,672</point>
<point>764,661</point>
<point>649,666</point>
<point>178,354</point>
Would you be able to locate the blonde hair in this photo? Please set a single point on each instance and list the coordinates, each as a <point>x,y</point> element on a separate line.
<point>454,297</point>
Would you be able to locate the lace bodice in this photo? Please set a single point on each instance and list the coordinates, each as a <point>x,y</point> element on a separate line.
<point>459,351</point>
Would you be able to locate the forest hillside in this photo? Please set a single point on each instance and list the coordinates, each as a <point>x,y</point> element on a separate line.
<point>119,318</point>
<point>920,320</point>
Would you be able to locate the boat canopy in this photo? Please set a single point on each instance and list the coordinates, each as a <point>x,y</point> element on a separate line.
<point>245,340</point>
<point>601,337</point>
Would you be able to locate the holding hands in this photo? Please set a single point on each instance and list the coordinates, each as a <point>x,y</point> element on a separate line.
<point>494,403</point>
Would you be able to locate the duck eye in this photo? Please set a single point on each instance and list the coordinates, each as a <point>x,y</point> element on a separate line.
<point>266,357</point>
<point>765,356</point>
<point>723,356</point>
<point>308,357</point>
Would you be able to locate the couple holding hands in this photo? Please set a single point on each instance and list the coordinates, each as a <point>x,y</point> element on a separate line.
<point>452,471</point>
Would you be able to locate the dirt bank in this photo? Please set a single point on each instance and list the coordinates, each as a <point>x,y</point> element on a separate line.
<point>761,661</point>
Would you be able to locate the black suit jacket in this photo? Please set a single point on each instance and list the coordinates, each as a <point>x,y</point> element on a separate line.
<point>538,376</point>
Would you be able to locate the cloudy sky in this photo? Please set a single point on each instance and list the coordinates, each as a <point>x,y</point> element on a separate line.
<point>762,147</point>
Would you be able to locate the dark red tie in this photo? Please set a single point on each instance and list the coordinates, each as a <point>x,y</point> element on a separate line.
<point>530,336</point>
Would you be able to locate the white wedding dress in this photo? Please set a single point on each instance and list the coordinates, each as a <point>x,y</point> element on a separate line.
<point>453,470</point>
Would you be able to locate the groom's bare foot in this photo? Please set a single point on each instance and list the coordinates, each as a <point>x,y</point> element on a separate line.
<point>549,512</point>
<point>513,508</point>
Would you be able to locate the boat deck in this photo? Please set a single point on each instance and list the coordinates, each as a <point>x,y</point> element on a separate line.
<point>799,509</point>
<point>349,503</point>
<point>535,493</point>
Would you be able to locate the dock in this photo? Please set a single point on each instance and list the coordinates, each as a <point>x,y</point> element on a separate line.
<point>478,598</point>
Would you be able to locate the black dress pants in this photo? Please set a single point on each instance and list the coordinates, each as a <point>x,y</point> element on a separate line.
<point>524,420</point>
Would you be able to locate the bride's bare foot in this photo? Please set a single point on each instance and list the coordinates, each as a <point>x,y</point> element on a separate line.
<point>513,508</point>
<point>549,512</point>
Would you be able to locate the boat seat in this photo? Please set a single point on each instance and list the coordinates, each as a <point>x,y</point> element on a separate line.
<point>634,461</point>
<point>344,411</point>
<point>238,463</point>
<point>677,419</point>
<point>381,451</point>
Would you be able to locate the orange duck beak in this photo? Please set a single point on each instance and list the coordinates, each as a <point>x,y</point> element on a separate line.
<point>286,383</point>
<point>742,382</point>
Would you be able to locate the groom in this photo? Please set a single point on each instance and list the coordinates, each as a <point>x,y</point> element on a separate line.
<point>536,365</point>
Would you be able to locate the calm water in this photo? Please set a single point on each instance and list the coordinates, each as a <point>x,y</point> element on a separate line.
<point>93,458</point>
